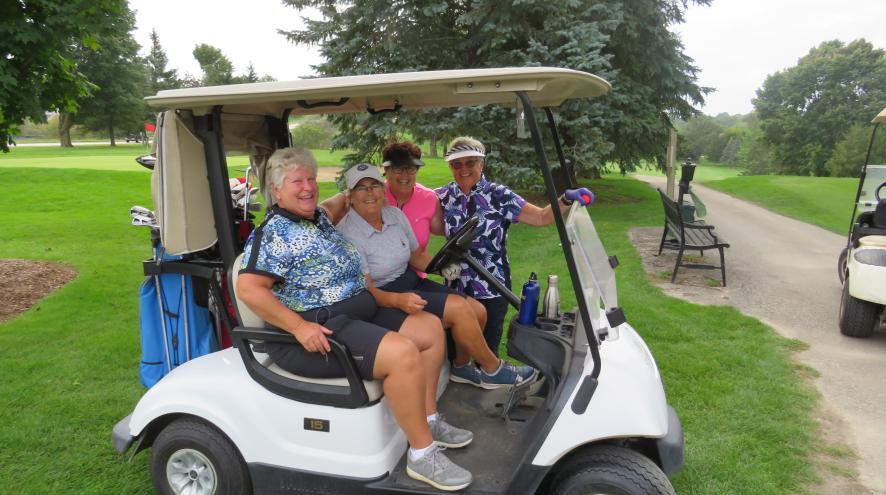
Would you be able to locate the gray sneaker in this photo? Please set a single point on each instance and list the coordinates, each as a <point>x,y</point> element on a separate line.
<point>446,435</point>
<point>435,469</point>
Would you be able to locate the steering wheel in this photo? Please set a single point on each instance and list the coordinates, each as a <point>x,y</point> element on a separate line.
<point>456,247</point>
<point>877,191</point>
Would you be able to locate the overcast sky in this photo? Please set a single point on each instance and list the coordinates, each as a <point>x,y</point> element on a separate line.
<point>735,43</point>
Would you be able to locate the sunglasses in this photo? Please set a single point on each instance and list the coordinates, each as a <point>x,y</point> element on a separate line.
<point>458,164</point>
<point>408,170</point>
<point>373,187</point>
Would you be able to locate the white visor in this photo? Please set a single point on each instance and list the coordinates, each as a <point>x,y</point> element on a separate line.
<point>463,154</point>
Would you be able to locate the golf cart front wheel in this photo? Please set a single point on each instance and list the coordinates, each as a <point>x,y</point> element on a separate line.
<point>193,457</point>
<point>612,470</point>
<point>858,318</point>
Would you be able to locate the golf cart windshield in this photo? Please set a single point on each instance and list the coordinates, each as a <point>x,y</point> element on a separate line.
<point>594,270</point>
<point>875,175</point>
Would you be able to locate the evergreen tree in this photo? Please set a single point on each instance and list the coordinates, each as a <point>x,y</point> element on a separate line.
<point>160,77</point>
<point>625,42</point>
<point>217,68</point>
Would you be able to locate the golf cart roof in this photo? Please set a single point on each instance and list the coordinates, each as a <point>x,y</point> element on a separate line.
<point>880,118</point>
<point>545,86</point>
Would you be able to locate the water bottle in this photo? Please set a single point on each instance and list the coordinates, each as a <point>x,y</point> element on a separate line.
<point>551,306</point>
<point>529,301</point>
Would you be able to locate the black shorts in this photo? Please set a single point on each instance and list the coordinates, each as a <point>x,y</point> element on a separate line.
<point>432,292</point>
<point>356,322</point>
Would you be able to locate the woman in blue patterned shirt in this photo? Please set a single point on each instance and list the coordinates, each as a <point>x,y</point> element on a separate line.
<point>498,207</point>
<point>302,276</point>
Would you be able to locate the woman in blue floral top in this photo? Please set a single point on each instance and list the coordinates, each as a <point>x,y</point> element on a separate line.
<point>300,275</point>
<point>498,207</point>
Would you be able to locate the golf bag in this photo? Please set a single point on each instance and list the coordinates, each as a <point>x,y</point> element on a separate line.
<point>175,326</point>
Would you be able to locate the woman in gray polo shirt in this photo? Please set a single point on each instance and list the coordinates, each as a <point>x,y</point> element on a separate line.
<point>387,247</point>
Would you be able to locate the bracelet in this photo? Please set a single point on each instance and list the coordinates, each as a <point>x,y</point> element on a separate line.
<point>565,201</point>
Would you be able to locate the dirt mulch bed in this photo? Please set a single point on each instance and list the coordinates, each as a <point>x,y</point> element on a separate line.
<point>24,282</point>
<point>693,284</point>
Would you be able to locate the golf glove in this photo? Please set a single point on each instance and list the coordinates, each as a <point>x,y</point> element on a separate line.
<point>451,271</point>
<point>583,195</point>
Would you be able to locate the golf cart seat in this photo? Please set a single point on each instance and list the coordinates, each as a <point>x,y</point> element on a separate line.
<point>373,388</point>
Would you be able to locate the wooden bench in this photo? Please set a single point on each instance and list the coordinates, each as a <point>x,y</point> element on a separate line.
<point>689,235</point>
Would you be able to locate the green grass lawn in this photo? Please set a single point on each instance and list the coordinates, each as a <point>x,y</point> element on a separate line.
<point>69,365</point>
<point>705,171</point>
<point>822,201</point>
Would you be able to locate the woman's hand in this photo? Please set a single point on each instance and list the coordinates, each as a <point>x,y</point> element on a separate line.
<point>312,336</point>
<point>410,303</point>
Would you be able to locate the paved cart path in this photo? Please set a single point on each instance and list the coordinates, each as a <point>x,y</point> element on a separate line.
<point>783,272</point>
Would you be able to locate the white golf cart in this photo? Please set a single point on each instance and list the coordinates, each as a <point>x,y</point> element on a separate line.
<point>233,422</point>
<point>862,263</point>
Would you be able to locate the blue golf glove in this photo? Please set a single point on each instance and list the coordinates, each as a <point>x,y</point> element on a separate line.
<point>583,195</point>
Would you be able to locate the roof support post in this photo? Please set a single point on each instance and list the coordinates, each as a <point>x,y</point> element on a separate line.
<point>583,311</point>
<point>208,128</point>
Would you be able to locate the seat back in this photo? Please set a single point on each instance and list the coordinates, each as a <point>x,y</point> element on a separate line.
<point>247,317</point>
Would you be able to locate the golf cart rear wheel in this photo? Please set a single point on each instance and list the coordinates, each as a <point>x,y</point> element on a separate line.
<point>614,471</point>
<point>858,318</point>
<point>193,457</point>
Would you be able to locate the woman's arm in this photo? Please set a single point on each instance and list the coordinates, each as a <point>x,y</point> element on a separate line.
<point>336,207</point>
<point>255,291</point>
<point>408,302</point>
<point>436,223</point>
<point>539,217</point>
<point>419,260</point>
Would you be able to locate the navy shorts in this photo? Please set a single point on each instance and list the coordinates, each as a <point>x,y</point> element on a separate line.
<point>432,292</point>
<point>356,322</point>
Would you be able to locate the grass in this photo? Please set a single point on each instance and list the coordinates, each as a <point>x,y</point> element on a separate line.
<point>69,365</point>
<point>822,201</point>
<point>705,171</point>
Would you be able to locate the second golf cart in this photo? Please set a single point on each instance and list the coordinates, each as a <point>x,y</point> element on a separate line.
<point>233,422</point>
<point>862,263</point>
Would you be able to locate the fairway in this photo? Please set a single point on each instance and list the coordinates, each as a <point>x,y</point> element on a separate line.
<point>69,365</point>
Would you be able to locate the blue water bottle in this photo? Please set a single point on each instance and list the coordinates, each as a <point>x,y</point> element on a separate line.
<point>529,301</point>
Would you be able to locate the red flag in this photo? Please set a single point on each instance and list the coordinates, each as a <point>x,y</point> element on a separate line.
<point>150,127</point>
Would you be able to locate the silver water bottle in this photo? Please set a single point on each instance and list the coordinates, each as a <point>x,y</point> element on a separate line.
<point>551,307</point>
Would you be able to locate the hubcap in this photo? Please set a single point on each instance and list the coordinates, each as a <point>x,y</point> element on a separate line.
<point>189,472</point>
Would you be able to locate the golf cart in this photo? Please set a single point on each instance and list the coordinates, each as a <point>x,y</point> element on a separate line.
<point>862,263</point>
<point>233,422</point>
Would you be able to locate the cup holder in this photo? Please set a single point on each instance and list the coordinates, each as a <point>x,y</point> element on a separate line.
<point>550,327</point>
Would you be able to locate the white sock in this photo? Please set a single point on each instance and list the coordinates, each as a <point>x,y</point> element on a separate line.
<point>432,417</point>
<point>416,454</point>
<point>496,370</point>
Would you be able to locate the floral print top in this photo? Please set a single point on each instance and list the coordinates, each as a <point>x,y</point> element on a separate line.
<point>498,207</point>
<point>311,263</point>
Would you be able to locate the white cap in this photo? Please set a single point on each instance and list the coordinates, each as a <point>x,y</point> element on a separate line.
<point>360,171</point>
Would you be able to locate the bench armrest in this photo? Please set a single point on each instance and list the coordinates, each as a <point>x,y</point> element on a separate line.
<point>697,226</point>
<point>352,397</point>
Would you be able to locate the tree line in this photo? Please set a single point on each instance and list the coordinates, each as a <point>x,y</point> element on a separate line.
<point>811,119</point>
<point>78,58</point>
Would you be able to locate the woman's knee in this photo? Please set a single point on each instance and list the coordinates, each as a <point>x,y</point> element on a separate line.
<point>395,352</point>
<point>478,309</point>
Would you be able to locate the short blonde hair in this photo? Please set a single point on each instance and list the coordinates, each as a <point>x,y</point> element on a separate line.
<point>285,160</point>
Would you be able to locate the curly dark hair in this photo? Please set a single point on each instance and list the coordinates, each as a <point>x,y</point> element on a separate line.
<point>393,151</point>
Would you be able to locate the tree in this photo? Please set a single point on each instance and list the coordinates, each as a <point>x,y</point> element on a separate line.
<point>37,71</point>
<point>851,151</point>
<point>160,77</point>
<point>729,156</point>
<point>805,110</point>
<point>701,136</point>
<point>118,74</point>
<point>217,68</point>
<point>626,42</point>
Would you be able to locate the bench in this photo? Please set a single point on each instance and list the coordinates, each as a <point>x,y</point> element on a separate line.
<point>689,235</point>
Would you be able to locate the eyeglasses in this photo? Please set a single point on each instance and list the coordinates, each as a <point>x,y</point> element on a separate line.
<point>458,164</point>
<point>408,170</point>
<point>375,187</point>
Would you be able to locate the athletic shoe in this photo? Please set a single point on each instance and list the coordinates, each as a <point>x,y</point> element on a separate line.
<point>507,375</point>
<point>466,373</point>
<point>446,435</point>
<point>435,469</point>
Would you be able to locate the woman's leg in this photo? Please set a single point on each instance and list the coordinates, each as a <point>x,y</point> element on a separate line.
<point>399,364</point>
<point>479,310</point>
<point>426,332</point>
<point>461,319</point>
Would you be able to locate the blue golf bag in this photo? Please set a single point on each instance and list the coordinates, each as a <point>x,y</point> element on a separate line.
<point>175,327</point>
